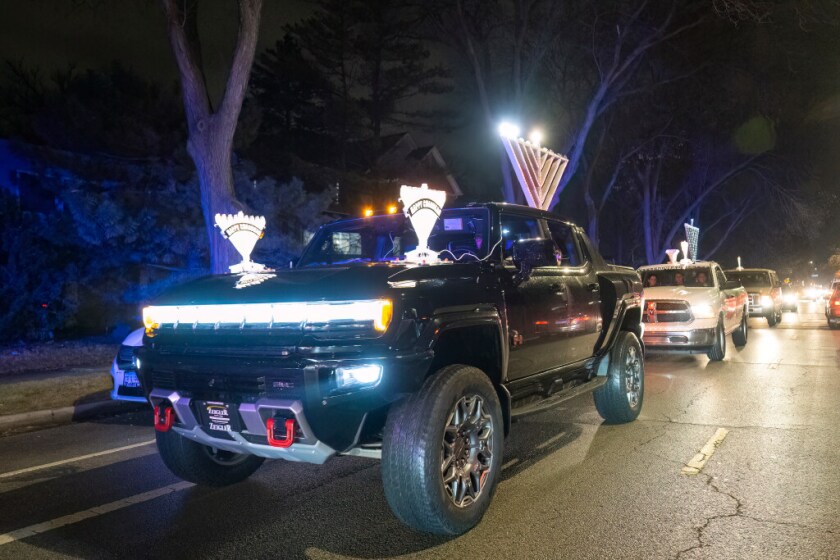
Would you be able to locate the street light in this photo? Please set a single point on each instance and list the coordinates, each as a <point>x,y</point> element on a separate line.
<point>368,212</point>
<point>392,209</point>
<point>508,130</point>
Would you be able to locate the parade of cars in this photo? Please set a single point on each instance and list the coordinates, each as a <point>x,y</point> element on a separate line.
<point>692,307</point>
<point>418,338</point>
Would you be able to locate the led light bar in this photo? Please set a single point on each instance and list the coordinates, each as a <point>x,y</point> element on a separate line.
<point>379,311</point>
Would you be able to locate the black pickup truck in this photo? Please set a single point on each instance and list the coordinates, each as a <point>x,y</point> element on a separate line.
<point>355,352</point>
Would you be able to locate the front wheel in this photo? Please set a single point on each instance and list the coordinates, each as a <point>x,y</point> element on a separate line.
<point>619,400</point>
<point>442,452</point>
<point>718,350</point>
<point>771,320</point>
<point>203,465</point>
<point>739,336</point>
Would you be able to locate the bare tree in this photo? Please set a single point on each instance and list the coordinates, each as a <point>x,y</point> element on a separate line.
<point>668,202</point>
<point>211,129</point>
<point>631,38</point>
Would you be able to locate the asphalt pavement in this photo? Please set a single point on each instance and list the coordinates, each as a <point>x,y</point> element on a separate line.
<point>571,486</point>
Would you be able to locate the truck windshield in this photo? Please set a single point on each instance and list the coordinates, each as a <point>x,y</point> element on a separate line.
<point>460,234</point>
<point>749,278</point>
<point>695,277</point>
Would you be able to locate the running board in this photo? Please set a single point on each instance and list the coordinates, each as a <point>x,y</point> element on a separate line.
<point>557,398</point>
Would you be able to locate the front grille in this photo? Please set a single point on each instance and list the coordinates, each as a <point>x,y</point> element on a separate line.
<point>283,383</point>
<point>124,391</point>
<point>125,358</point>
<point>659,311</point>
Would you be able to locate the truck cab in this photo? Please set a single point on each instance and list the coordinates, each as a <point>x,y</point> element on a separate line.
<point>356,351</point>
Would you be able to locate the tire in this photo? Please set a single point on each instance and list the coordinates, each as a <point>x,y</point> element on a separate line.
<point>741,334</point>
<point>620,400</point>
<point>718,350</point>
<point>202,465</point>
<point>771,320</point>
<point>422,433</point>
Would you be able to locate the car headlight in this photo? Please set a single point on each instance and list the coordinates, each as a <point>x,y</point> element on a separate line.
<point>766,301</point>
<point>365,375</point>
<point>703,311</point>
<point>790,298</point>
<point>379,312</point>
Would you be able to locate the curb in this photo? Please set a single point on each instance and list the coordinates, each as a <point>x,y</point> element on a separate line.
<point>68,414</point>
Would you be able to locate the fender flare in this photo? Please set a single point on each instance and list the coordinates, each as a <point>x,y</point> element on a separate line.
<point>626,303</point>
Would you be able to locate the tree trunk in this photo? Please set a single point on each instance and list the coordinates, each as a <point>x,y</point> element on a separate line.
<point>210,140</point>
<point>212,158</point>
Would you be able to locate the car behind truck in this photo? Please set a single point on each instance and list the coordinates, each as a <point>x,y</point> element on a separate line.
<point>357,352</point>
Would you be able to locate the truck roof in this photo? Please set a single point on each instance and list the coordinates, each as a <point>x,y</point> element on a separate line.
<point>669,266</point>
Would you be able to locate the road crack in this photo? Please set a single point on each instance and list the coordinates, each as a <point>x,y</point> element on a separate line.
<point>701,529</point>
<point>739,505</point>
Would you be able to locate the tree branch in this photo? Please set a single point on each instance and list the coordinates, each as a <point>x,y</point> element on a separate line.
<point>243,58</point>
<point>194,90</point>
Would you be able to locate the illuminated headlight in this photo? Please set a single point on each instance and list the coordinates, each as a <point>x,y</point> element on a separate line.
<point>136,363</point>
<point>703,311</point>
<point>358,376</point>
<point>766,301</point>
<point>790,298</point>
<point>378,311</point>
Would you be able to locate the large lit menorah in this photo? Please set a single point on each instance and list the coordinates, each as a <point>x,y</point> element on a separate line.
<point>538,169</point>
<point>692,235</point>
<point>243,232</point>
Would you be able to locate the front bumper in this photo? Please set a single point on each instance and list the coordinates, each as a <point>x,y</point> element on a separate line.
<point>679,340</point>
<point>262,387</point>
<point>253,439</point>
<point>121,392</point>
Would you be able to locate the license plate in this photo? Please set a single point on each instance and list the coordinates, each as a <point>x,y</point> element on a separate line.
<point>218,416</point>
<point>130,380</point>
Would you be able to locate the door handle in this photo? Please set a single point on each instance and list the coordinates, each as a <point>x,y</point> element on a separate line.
<point>594,287</point>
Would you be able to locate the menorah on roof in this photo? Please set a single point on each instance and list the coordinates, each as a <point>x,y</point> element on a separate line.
<point>537,168</point>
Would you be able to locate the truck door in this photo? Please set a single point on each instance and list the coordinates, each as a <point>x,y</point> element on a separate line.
<point>577,279</point>
<point>535,307</point>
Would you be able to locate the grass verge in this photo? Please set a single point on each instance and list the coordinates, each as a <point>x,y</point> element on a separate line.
<point>53,391</point>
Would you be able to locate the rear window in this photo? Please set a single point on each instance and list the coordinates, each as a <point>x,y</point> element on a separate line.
<point>750,278</point>
<point>698,277</point>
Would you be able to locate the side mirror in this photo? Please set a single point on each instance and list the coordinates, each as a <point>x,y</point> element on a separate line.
<point>732,285</point>
<point>530,253</point>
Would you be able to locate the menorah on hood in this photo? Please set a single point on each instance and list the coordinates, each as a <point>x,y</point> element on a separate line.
<point>243,232</point>
<point>538,169</point>
<point>423,207</point>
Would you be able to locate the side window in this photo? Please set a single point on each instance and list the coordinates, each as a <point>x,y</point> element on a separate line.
<point>566,245</point>
<point>515,228</point>
<point>721,277</point>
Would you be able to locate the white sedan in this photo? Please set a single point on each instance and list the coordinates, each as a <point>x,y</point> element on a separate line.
<point>123,371</point>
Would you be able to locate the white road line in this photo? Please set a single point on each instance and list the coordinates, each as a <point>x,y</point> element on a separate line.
<point>699,461</point>
<point>92,512</point>
<point>75,459</point>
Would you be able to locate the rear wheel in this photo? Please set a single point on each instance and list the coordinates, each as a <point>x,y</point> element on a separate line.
<point>442,452</point>
<point>771,320</point>
<point>620,400</point>
<point>740,335</point>
<point>203,465</point>
<point>718,350</point>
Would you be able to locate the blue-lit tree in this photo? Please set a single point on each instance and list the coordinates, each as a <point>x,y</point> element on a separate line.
<point>211,128</point>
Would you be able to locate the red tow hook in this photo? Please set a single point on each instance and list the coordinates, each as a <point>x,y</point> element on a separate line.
<point>163,422</point>
<point>287,440</point>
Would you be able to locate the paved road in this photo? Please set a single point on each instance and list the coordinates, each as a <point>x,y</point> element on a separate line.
<point>572,487</point>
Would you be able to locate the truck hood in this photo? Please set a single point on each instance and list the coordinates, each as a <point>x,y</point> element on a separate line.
<point>340,283</point>
<point>693,295</point>
<point>287,285</point>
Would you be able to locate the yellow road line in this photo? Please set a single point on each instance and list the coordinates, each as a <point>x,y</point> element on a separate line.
<point>74,459</point>
<point>90,513</point>
<point>699,461</point>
